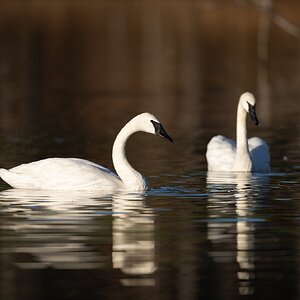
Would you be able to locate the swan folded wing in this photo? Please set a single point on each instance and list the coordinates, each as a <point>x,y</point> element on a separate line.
<point>220,154</point>
<point>61,174</point>
<point>259,152</point>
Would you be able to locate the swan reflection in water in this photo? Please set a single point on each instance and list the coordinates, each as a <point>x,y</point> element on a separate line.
<point>232,202</point>
<point>71,230</point>
<point>133,239</point>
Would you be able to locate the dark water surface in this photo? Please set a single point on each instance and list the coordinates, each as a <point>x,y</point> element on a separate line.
<point>73,73</point>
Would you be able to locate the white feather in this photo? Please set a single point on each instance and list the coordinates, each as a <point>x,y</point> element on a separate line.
<point>61,174</point>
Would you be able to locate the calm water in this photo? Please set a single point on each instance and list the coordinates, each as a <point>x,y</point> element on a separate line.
<point>72,74</point>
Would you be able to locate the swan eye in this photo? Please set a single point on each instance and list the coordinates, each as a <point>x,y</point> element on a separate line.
<point>160,131</point>
<point>253,113</point>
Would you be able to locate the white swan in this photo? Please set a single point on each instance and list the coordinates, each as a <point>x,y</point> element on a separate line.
<point>243,155</point>
<point>81,174</point>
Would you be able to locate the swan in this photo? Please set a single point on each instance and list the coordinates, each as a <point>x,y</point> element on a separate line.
<point>244,155</point>
<point>80,174</point>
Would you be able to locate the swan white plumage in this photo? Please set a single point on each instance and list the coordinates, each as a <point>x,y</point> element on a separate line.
<point>81,174</point>
<point>244,155</point>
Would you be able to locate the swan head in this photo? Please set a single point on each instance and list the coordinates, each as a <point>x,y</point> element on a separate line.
<point>149,123</point>
<point>248,102</point>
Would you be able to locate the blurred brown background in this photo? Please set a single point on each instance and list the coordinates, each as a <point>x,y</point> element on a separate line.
<point>74,72</point>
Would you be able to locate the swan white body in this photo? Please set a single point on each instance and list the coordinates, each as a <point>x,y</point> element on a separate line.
<point>244,155</point>
<point>81,174</point>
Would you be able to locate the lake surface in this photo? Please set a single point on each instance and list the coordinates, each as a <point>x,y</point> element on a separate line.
<point>72,74</point>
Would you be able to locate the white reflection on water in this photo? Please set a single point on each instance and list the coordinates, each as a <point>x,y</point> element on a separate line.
<point>133,238</point>
<point>54,228</point>
<point>64,230</point>
<point>244,234</point>
<point>232,204</point>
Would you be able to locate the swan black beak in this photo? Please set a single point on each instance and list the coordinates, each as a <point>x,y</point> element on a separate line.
<point>253,114</point>
<point>160,131</point>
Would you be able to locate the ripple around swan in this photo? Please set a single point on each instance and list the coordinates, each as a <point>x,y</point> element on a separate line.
<point>178,192</point>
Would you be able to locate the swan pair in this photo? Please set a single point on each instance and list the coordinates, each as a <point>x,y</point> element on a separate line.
<point>80,174</point>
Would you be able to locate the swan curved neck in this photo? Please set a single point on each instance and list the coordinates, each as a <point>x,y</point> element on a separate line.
<point>129,176</point>
<point>242,160</point>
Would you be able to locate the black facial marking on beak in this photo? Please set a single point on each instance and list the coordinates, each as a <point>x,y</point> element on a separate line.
<point>253,114</point>
<point>160,131</point>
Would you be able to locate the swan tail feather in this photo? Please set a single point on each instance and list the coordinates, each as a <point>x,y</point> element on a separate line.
<point>13,179</point>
